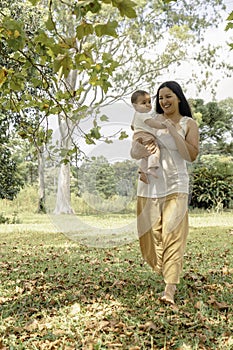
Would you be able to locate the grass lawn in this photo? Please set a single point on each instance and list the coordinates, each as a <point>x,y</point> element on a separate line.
<point>56,293</point>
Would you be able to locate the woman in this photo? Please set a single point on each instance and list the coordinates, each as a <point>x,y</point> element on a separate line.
<point>162,205</point>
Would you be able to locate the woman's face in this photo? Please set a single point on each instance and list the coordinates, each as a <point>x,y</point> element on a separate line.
<point>168,100</point>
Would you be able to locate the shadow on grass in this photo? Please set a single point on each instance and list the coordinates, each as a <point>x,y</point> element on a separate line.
<point>109,296</point>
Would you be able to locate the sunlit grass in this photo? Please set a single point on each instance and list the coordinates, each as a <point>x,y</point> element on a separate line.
<point>56,293</point>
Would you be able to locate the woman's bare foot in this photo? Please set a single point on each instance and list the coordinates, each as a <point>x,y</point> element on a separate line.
<point>168,296</point>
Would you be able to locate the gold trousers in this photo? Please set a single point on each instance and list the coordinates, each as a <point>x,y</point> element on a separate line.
<point>163,228</point>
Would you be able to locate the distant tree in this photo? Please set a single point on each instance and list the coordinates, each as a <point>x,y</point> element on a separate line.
<point>97,176</point>
<point>11,182</point>
<point>215,121</point>
<point>126,178</point>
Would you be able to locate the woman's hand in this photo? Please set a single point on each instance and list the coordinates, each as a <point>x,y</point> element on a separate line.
<point>138,151</point>
<point>188,147</point>
<point>169,124</point>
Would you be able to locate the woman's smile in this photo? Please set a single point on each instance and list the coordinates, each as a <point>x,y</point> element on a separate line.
<point>169,102</point>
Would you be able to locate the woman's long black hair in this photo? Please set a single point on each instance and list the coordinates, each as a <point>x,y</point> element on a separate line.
<point>184,107</point>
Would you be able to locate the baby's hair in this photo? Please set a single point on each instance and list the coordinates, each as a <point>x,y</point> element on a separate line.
<point>136,94</point>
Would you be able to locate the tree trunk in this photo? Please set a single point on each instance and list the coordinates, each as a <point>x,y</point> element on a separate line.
<point>66,127</point>
<point>41,191</point>
<point>63,205</point>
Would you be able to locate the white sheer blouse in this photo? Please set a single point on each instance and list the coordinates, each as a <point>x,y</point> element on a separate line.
<point>172,174</point>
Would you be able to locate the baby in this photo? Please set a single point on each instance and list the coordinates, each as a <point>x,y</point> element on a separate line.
<point>142,125</point>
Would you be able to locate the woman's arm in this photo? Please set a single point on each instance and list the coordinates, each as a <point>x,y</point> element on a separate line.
<point>188,147</point>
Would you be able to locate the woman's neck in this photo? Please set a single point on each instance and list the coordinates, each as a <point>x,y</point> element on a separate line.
<point>175,117</point>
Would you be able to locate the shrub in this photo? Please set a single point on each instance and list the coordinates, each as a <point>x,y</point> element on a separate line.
<point>211,183</point>
<point>25,201</point>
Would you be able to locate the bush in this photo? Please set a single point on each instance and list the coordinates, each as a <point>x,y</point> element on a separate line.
<point>211,183</point>
<point>25,201</point>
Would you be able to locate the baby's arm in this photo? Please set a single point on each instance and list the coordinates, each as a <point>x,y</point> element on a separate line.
<point>154,124</point>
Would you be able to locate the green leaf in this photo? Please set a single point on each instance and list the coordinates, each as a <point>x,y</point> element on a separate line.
<point>84,29</point>
<point>126,8</point>
<point>49,23</point>
<point>105,84</point>
<point>83,61</point>
<point>83,7</point>
<point>229,26</point>
<point>17,82</point>
<point>34,2</point>
<point>36,82</point>
<point>94,6</point>
<point>123,135</point>
<point>89,140</point>
<point>3,76</point>
<point>94,132</point>
<point>104,118</point>
<point>107,57</point>
<point>63,64</point>
<point>106,29</point>
<point>14,33</point>
<point>230,17</point>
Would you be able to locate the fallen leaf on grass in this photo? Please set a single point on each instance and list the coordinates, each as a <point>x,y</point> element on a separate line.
<point>220,306</point>
<point>184,347</point>
<point>31,326</point>
<point>2,347</point>
<point>119,284</point>
<point>198,305</point>
<point>227,271</point>
<point>3,300</point>
<point>103,324</point>
<point>75,309</point>
<point>148,325</point>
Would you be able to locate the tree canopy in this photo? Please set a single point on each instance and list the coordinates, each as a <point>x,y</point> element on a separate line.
<point>69,58</point>
<point>215,123</point>
<point>11,181</point>
<point>112,46</point>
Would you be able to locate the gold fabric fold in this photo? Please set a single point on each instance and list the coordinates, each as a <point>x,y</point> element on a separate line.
<point>163,229</point>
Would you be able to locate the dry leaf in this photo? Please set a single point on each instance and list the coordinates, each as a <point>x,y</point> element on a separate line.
<point>2,347</point>
<point>75,309</point>
<point>103,324</point>
<point>221,306</point>
<point>31,326</point>
<point>150,325</point>
<point>198,305</point>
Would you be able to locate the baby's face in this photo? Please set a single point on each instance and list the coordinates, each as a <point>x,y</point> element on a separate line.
<point>143,104</point>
